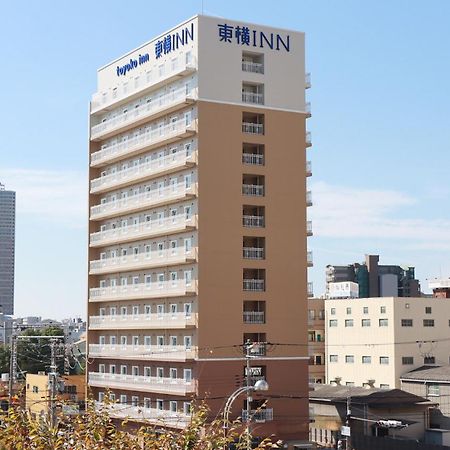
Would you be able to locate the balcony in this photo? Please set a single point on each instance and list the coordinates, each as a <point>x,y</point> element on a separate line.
<point>108,100</point>
<point>253,253</point>
<point>252,128</point>
<point>309,198</point>
<point>145,141</point>
<point>309,228</point>
<point>307,80</point>
<point>145,260</point>
<point>176,386</point>
<point>309,259</point>
<point>152,228</point>
<point>254,317</point>
<point>310,290</point>
<point>253,221</point>
<point>254,67</point>
<point>145,200</point>
<point>258,415</point>
<point>161,417</point>
<point>151,169</point>
<point>144,352</point>
<point>253,285</point>
<point>255,190</point>
<point>253,97</point>
<point>253,159</point>
<point>143,321</point>
<point>164,104</point>
<point>308,109</point>
<point>308,168</point>
<point>308,139</point>
<point>136,291</point>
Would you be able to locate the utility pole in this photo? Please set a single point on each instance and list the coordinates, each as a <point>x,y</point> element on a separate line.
<point>12,367</point>
<point>347,421</point>
<point>248,381</point>
<point>52,381</point>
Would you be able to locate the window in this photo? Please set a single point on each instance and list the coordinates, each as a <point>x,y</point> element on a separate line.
<point>349,323</point>
<point>123,370</point>
<point>160,372</point>
<point>160,404</point>
<point>187,407</point>
<point>101,396</point>
<point>35,389</point>
<point>428,322</point>
<point>123,399</point>
<point>365,310</point>
<point>135,371</point>
<point>147,403</point>
<point>173,373</point>
<point>384,386</point>
<point>333,323</point>
<point>383,322</point>
<point>134,400</point>
<point>407,360</point>
<point>429,360</point>
<point>365,322</point>
<point>406,305</point>
<point>407,322</point>
<point>333,311</point>
<point>427,309</point>
<point>349,383</point>
<point>433,390</point>
<point>384,359</point>
<point>147,371</point>
<point>349,359</point>
<point>333,358</point>
<point>187,342</point>
<point>187,375</point>
<point>173,406</point>
<point>349,310</point>
<point>101,368</point>
<point>383,309</point>
<point>311,314</point>
<point>366,359</point>
<point>147,341</point>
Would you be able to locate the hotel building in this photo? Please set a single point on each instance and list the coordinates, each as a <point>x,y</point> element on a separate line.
<point>198,225</point>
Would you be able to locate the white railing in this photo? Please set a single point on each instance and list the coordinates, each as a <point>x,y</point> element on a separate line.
<point>253,285</point>
<point>103,99</point>
<point>308,108</point>
<point>253,221</point>
<point>146,259</point>
<point>162,417</point>
<point>145,352</point>
<point>147,138</point>
<point>309,258</point>
<point>254,317</point>
<point>308,167</point>
<point>249,66</point>
<point>253,189</point>
<point>309,228</point>
<point>308,138</point>
<point>310,289</point>
<point>307,80</point>
<point>143,290</point>
<point>140,382</point>
<point>309,198</point>
<point>153,167</point>
<point>253,253</point>
<point>144,321</point>
<point>253,158</point>
<point>143,111</point>
<point>253,128</point>
<point>142,201</point>
<point>258,415</point>
<point>145,229</point>
<point>252,97</point>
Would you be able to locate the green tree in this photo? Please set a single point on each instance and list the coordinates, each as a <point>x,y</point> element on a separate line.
<point>4,358</point>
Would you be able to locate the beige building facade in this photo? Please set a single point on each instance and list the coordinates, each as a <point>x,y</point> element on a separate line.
<point>316,339</point>
<point>197,157</point>
<point>373,341</point>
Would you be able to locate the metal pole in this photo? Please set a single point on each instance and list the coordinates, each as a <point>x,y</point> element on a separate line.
<point>347,422</point>
<point>249,399</point>
<point>12,367</point>
<point>52,382</point>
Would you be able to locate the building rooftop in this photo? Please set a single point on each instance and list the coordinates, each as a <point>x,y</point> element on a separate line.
<point>427,373</point>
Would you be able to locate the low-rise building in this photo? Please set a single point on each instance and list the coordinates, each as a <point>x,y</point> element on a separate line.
<point>316,340</point>
<point>373,341</point>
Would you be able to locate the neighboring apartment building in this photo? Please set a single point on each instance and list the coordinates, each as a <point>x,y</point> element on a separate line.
<point>373,341</point>
<point>440,287</point>
<point>376,280</point>
<point>316,340</point>
<point>198,224</point>
<point>7,249</point>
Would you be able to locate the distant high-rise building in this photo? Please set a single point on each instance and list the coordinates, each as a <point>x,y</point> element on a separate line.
<point>375,280</point>
<point>7,245</point>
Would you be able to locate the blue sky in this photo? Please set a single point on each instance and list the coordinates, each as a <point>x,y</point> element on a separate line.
<point>380,127</point>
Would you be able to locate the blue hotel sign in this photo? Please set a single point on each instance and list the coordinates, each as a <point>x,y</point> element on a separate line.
<point>241,35</point>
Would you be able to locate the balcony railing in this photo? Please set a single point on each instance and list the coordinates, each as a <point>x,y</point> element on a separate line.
<point>143,290</point>
<point>252,128</point>
<point>253,253</point>
<point>309,198</point>
<point>145,352</point>
<point>309,228</point>
<point>111,152</point>
<point>253,221</point>
<point>308,168</point>
<point>162,103</point>
<point>253,285</point>
<point>253,158</point>
<point>308,109</point>
<point>161,417</point>
<point>252,97</point>
<point>255,190</point>
<point>158,258</point>
<point>162,385</point>
<point>142,321</point>
<point>307,80</point>
<point>103,100</point>
<point>308,139</point>
<point>249,66</point>
<point>143,201</point>
<point>310,290</point>
<point>151,228</point>
<point>152,168</point>
<point>259,415</point>
<point>254,317</point>
<point>309,258</point>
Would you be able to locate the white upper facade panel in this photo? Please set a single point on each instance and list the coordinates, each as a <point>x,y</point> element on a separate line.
<point>236,62</point>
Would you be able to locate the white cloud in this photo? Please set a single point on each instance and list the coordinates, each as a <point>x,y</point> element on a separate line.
<point>343,212</point>
<point>49,195</point>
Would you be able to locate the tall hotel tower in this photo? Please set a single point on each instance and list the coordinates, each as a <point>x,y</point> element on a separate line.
<point>198,225</point>
<point>7,247</point>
